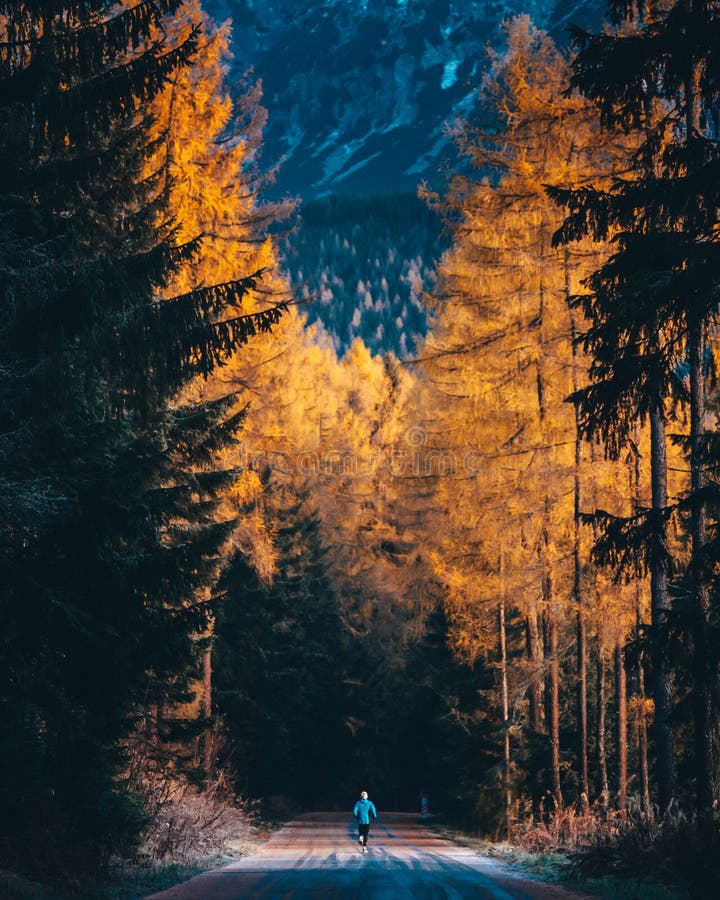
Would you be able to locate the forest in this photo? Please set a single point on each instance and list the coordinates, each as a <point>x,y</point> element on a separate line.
<point>361,265</point>
<point>415,491</point>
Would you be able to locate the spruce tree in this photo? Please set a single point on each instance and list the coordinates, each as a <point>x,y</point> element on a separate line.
<point>279,659</point>
<point>653,304</point>
<point>109,541</point>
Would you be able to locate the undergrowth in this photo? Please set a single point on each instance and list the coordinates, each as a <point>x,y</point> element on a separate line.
<point>635,856</point>
<point>192,825</point>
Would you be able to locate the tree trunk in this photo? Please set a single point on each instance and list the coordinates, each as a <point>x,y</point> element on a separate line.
<point>505,714</point>
<point>207,685</point>
<point>552,687</point>
<point>701,596</point>
<point>601,749</point>
<point>662,677</point>
<point>702,688</point>
<point>642,734</point>
<point>582,709</point>
<point>700,587</point>
<point>534,654</point>
<point>206,710</point>
<point>621,736</point>
<point>640,715</point>
<point>578,587</point>
<point>552,698</point>
<point>641,718</point>
<point>535,698</point>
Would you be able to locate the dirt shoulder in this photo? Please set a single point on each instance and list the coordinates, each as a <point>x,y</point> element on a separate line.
<point>559,868</point>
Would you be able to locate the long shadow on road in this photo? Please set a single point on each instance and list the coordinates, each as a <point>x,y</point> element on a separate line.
<point>317,855</point>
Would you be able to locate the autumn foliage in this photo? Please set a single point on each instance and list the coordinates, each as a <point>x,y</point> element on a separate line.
<point>238,562</point>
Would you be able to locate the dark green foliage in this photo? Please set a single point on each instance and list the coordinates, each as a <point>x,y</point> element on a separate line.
<point>652,308</point>
<point>279,665</point>
<point>425,725</point>
<point>363,263</point>
<point>109,539</point>
<point>316,712</point>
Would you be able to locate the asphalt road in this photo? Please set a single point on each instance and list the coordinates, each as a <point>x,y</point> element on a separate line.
<point>317,856</point>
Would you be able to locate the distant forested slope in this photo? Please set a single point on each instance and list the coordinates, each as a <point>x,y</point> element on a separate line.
<point>362,263</point>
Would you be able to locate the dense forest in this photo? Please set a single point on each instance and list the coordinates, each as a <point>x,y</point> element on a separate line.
<point>363,265</point>
<point>435,513</point>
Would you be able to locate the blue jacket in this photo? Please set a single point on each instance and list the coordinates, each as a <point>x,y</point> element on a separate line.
<point>363,810</point>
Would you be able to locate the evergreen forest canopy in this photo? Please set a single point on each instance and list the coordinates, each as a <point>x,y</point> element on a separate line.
<point>242,556</point>
<point>363,264</point>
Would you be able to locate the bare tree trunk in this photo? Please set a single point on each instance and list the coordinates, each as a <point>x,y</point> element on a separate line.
<point>581,624</point>
<point>700,587</point>
<point>552,697</point>
<point>578,587</point>
<point>642,733</point>
<point>552,687</point>
<point>641,728</point>
<point>582,709</point>
<point>662,676</point>
<point>621,737</point>
<point>702,688</point>
<point>601,749</point>
<point>505,713</point>
<point>640,718</point>
<point>535,697</point>
<point>534,653</point>
<point>207,685</point>
<point>206,710</point>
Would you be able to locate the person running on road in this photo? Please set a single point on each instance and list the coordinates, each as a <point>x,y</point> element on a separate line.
<point>364,811</point>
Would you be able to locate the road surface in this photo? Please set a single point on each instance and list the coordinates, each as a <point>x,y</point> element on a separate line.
<point>317,856</point>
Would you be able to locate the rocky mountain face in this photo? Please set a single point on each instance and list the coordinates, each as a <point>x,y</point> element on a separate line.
<point>358,94</point>
<point>358,91</point>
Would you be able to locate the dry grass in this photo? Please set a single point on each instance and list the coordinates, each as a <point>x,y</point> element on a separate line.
<point>661,855</point>
<point>190,821</point>
<point>191,824</point>
<point>628,857</point>
<point>569,830</point>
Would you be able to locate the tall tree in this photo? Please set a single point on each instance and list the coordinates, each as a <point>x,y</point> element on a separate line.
<point>280,658</point>
<point>208,161</point>
<point>111,544</point>
<point>501,361</point>
<point>653,303</point>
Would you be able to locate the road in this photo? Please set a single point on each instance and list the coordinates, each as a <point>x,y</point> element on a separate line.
<point>317,856</point>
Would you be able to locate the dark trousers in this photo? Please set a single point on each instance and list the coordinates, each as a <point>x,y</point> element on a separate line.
<point>364,832</point>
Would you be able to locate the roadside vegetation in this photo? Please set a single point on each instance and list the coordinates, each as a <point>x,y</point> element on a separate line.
<point>631,860</point>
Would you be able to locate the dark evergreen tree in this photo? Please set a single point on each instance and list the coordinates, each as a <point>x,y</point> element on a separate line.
<point>652,306</point>
<point>109,540</point>
<point>279,664</point>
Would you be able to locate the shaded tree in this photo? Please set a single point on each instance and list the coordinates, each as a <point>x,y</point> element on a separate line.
<point>279,661</point>
<point>110,544</point>
<point>652,304</point>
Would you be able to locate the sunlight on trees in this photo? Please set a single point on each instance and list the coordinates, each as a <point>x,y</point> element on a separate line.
<point>241,548</point>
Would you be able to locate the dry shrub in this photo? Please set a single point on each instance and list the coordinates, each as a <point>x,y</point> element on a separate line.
<point>643,845</point>
<point>666,848</point>
<point>189,822</point>
<point>567,830</point>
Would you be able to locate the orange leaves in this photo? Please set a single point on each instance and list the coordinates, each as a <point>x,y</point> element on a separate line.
<point>500,362</point>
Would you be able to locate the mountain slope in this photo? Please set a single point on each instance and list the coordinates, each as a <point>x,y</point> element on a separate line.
<point>358,93</point>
